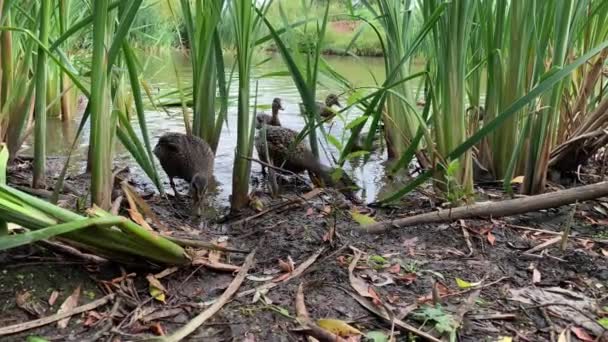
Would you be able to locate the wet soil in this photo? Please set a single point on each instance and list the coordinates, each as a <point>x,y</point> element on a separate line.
<point>404,267</point>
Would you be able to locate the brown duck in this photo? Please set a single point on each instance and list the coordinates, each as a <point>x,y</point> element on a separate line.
<point>298,158</point>
<point>273,120</point>
<point>189,158</point>
<point>325,109</point>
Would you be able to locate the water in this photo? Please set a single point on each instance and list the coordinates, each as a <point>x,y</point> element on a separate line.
<point>160,74</point>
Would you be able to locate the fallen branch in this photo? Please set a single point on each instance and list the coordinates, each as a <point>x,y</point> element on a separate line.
<point>299,270</point>
<point>224,298</point>
<point>544,245</point>
<point>497,209</point>
<point>202,244</point>
<point>276,168</point>
<point>11,329</point>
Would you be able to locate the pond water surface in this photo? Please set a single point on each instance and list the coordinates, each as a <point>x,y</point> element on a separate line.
<point>160,74</point>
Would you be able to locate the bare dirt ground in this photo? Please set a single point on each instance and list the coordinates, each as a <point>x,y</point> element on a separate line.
<point>478,280</point>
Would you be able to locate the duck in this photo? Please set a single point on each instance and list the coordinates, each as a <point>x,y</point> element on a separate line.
<point>273,120</point>
<point>189,158</point>
<point>297,158</point>
<point>325,109</point>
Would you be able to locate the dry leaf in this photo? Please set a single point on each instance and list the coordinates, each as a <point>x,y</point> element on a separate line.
<point>360,285</point>
<point>287,266</point>
<point>70,303</point>
<point>309,211</point>
<point>53,297</point>
<point>374,295</point>
<point>564,336</point>
<point>517,180</point>
<point>582,334</point>
<point>338,327</point>
<point>156,289</point>
<point>407,278</point>
<point>92,318</point>
<point>441,289</point>
<point>535,276</point>
<point>604,252</point>
<point>491,238</point>
<point>408,243</point>
<point>157,329</point>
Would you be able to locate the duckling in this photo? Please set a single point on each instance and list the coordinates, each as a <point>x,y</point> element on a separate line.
<point>273,120</point>
<point>324,109</point>
<point>189,158</point>
<point>298,158</point>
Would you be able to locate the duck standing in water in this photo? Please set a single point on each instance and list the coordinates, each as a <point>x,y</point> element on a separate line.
<point>273,120</point>
<point>297,158</point>
<point>325,109</point>
<point>189,158</point>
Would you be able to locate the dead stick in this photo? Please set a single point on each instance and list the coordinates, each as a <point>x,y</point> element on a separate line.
<point>299,270</point>
<point>202,244</point>
<point>11,329</point>
<point>497,209</point>
<point>544,245</point>
<point>310,328</point>
<point>224,298</point>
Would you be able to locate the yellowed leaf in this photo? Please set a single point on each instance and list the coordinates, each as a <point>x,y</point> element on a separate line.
<point>517,180</point>
<point>463,284</point>
<point>338,327</point>
<point>157,290</point>
<point>362,219</point>
<point>505,339</point>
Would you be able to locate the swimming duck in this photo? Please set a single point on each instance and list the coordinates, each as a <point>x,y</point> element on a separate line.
<point>189,158</point>
<point>273,120</point>
<point>324,109</point>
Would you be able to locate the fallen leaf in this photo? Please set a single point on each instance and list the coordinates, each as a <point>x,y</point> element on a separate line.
<point>410,242</point>
<point>70,303</point>
<point>491,238</point>
<point>287,266</point>
<point>53,297</point>
<point>505,339</point>
<point>441,289</point>
<point>30,304</point>
<point>395,269</point>
<point>92,318</point>
<point>604,252</point>
<point>374,295</point>
<point>360,285</point>
<point>338,327</point>
<point>407,278</point>
<point>582,334</point>
<point>156,289</point>
<point>563,336</point>
<point>463,284</point>
<point>309,212</point>
<point>249,337</point>
<point>535,276</point>
<point>362,219</point>
<point>157,329</point>
<point>603,322</point>
<point>517,180</point>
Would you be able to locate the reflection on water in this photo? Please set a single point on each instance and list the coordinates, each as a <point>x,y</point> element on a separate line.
<point>161,75</point>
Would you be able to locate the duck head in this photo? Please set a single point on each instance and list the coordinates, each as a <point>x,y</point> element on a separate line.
<point>332,99</point>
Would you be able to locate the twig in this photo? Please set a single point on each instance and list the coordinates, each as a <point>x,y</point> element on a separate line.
<point>544,245</point>
<point>310,328</point>
<point>490,317</point>
<point>275,168</point>
<point>307,196</point>
<point>202,244</point>
<point>224,298</point>
<point>380,312</point>
<point>74,252</point>
<point>467,239</point>
<point>11,329</point>
<point>299,270</point>
<point>551,232</point>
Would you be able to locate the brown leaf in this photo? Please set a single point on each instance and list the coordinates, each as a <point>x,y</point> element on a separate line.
<point>374,295</point>
<point>395,269</point>
<point>92,318</point>
<point>157,329</point>
<point>215,255</point>
<point>218,266</point>
<point>154,282</point>
<point>53,297</point>
<point>30,304</point>
<point>604,252</point>
<point>491,238</point>
<point>441,289</point>
<point>70,303</point>
<point>410,243</point>
<point>360,285</point>
<point>309,211</point>
<point>582,334</point>
<point>287,266</point>
<point>327,210</point>
<point>407,278</point>
<point>535,276</point>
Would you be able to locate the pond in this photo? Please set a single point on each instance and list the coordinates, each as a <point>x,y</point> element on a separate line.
<point>160,74</point>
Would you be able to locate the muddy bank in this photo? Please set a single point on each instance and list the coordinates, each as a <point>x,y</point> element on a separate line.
<point>405,268</point>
